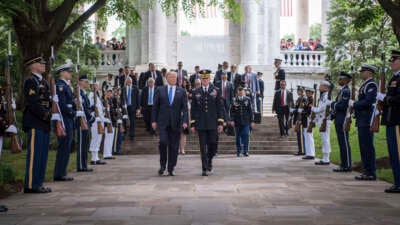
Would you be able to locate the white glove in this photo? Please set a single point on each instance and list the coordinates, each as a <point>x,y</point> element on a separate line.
<point>291,110</point>
<point>380,96</point>
<point>55,98</point>
<point>12,129</point>
<point>55,116</point>
<point>119,121</point>
<point>351,103</point>
<point>13,105</point>
<point>125,117</point>
<point>106,120</point>
<point>80,113</point>
<point>328,102</point>
<point>299,110</point>
<point>125,106</point>
<point>98,119</point>
<point>314,109</point>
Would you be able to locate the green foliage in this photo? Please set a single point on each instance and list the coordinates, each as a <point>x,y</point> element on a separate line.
<point>7,173</point>
<point>315,31</point>
<point>288,36</point>
<point>120,31</point>
<point>358,33</point>
<point>185,33</point>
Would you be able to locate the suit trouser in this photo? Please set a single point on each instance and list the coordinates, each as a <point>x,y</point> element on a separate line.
<point>309,143</point>
<point>344,146</point>
<point>300,141</point>
<point>242,138</point>
<point>36,158</point>
<point>147,117</point>
<point>108,143</point>
<point>95,142</point>
<point>169,147</point>
<point>326,143</point>
<point>132,118</point>
<point>393,142</point>
<point>208,146</point>
<point>118,136</point>
<point>63,152</point>
<point>83,147</point>
<point>367,150</point>
<point>283,118</point>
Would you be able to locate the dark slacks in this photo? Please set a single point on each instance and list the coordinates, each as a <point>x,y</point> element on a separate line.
<point>63,151</point>
<point>132,118</point>
<point>367,150</point>
<point>169,147</point>
<point>300,141</point>
<point>147,118</point>
<point>208,147</point>
<point>242,139</point>
<point>36,159</point>
<point>283,117</point>
<point>344,146</point>
<point>393,142</point>
<point>83,148</point>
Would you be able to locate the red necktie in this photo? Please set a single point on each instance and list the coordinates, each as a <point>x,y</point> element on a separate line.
<point>282,98</point>
<point>223,90</point>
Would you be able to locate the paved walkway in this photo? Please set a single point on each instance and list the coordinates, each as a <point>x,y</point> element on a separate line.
<point>263,189</point>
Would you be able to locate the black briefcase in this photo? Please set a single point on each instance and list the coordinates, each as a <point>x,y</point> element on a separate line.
<point>229,130</point>
<point>257,117</point>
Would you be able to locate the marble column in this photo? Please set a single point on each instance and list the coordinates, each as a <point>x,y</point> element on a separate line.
<point>273,8</point>
<point>249,33</point>
<point>302,27</point>
<point>325,7</point>
<point>134,50</point>
<point>157,35</point>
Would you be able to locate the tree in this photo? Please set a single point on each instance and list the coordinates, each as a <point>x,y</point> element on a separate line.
<point>392,8</point>
<point>315,31</point>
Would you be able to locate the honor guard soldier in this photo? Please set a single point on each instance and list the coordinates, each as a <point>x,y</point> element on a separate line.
<point>391,118</point>
<point>279,73</point>
<point>323,121</point>
<point>83,135</point>
<point>109,123</point>
<point>207,113</point>
<point>297,111</point>
<point>363,109</point>
<point>68,112</point>
<point>242,119</point>
<point>36,124</point>
<point>308,136</point>
<point>340,107</point>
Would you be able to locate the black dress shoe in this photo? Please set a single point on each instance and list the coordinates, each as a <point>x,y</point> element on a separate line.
<point>307,157</point>
<point>365,177</point>
<point>65,178</point>
<point>98,162</point>
<point>110,157</point>
<point>342,170</point>
<point>161,171</point>
<point>85,170</point>
<point>322,163</point>
<point>40,190</point>
<point>3,208</point>
<point>204,173</point>
<point>246,154</point>
<point>209,169</point>
<point>171,173</point>
<point>393,189</point>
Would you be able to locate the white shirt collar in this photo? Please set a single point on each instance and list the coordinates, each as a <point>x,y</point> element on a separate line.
<point>39,76</point>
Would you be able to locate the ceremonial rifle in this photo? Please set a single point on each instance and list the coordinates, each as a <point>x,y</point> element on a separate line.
<point>107,115</point>
<point>79,107</point>
<point>119,110</point>
<point>350,108</point>
<point>299,115</point>
<point>311,125</point>
<point>378,107</point>
<point>100,128</point>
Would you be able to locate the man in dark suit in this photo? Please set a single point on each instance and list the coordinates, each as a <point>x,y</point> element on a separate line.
<point>283,100</point>
<point>169,116</point>
<point>279,73</point>
<point>120,78</point>
<point>130,98</point>
<point>146,104</point>
<point>153,73</point>
<point>181,75</point>
<point>194,76</point>
<point>226,91</point>
<point>235,77</point>
<point>260,98</point>
<point>225,67</point>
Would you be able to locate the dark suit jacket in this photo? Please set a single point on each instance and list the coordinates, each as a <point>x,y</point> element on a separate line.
<point>166,115</point>
<point>261,84</point>
<point>145,96</point>
<point>279,75</point>
<point>145,76</point>
<point>184,76</point>
<point>229,97</point>
<point>135,101</point>
<point>193,78</point>
<point>276,105</point>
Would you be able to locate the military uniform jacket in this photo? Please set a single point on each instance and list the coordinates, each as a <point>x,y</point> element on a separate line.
<point>364,107</point>
<point>301,103</point>
<point>341,104</point>
<point>37,112</point>
<point>108,106</point>
<point>207,109</point>
<point>279,75</point>
<point>241,111</point>
<point>307,111</point>
<point>99,105</point>
<point>391,104</point>
<point>3,121</point>
<point>86,107</point>
<point>66,103</point>
<point>321,108</point>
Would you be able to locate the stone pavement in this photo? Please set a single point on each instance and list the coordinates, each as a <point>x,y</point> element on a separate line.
<point>261,189</point>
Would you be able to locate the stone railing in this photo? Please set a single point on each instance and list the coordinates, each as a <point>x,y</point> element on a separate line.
<point>304,61</point>
<point>111,61</point>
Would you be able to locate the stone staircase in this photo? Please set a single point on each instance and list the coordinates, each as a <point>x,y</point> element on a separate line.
<point>264,139</point>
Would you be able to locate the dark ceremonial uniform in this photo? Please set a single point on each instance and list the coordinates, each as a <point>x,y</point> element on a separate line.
<point>279,75</point>
<point>301,102</point>
<point>363,109</point>
<point>242,114</point>
<point>116,115</point>
<point>391,118</point>
<point>36,124</point>
<point>207,113</point>
<point>339,107</point>
<point>68,111</point>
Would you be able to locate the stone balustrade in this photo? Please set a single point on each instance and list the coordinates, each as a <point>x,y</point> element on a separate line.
<point>110,61</point>
<point>303,61</point>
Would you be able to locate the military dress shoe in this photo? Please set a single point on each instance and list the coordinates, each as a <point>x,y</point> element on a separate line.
<point>98,162</point>
<point>307,157</point>
<point>65,178</point>
<point>322,163</point>
<point>41,190</point>
<point>342,170</point>
<point>298,154</point>
<point>246,154</point>
<point>110,157</point>
<point>3,208</point>
<point>161,171</point>
<point>85,170</point>
<point>365,177</point>
<point>393,189</point>
<point>171,173</point>
<point>204,173</point>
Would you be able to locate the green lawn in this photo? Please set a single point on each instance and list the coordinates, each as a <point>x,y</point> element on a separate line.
<point>379,142</point>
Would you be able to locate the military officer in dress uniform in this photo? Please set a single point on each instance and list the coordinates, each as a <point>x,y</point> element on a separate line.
<point>207,113</point>
<point>391,118</point>
<point>242,120</point>
<point>322,113</point>
<point>68,111</point>
<point>83,135</point>
<point>363,109</point>
<point>301,102</point>
<point>36,124</point>
<point>339,109</point>
<point>279,73</point>
<point>308,136</point>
